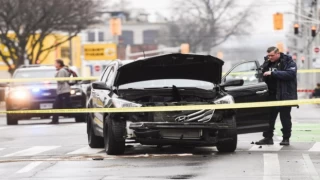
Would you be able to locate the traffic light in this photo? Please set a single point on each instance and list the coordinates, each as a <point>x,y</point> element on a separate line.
<point>220,55</point>
<point>185,48</point>
<point>313,31</point>
<point>296,29</point>
<point>278,21</point>
<point>115,26</point>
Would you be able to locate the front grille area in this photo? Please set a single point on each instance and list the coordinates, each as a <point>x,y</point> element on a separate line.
<point>44,94</point>
<point>199,116</point>
<point>184,116</point>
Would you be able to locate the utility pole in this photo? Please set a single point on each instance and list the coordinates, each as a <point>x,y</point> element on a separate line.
<point>308,41</point>
<point>312,42</point>
<point>307,18</point>
<point>315,43</point>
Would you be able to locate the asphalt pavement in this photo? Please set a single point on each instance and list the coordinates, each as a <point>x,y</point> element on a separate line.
<point>37,151</point>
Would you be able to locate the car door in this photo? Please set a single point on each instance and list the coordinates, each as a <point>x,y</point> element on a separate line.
<point>104,96</point>
<point>97,101</point>
<point>249,120</point>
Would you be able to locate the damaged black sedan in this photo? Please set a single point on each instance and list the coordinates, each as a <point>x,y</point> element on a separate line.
<point>174,80</point>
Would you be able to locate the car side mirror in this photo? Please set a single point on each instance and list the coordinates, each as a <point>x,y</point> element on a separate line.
<point>100,85</point>
<point>259,73</point>
<point>233,82</point>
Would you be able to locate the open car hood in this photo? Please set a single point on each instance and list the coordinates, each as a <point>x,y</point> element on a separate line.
<point>172,66</point>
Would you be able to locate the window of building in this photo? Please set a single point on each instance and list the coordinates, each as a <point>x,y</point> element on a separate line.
<point>91,36</point>
<point>101,36</point>
<point>126,38</point>
<point>150,37</point>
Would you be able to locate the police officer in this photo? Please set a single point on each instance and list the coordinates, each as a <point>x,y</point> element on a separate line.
<point>280,74</point>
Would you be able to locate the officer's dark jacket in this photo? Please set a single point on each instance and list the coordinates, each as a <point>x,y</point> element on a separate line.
<point>286,76</point>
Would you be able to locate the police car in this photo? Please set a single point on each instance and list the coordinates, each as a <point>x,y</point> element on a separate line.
<point>38,95</point>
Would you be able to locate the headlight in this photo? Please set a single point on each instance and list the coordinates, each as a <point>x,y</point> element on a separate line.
<point>225,100</point>
<point>19,94</point>
<point>35,90</point>
<point>75,92</point>
<point>119,103</point>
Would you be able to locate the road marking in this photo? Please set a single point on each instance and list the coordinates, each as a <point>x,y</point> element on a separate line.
<point>40,126</point>
<point>310,167</point>
<point>86,150</point>
<point>275,147</point>
<point>1,128</point>
<point>32,151</point>
<point>271,167</point>
<point>315,147</point>
<point>29,167</point>
<point>1,149</point>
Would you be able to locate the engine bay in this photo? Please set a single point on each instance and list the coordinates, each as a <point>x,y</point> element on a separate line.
<point>173,97</point>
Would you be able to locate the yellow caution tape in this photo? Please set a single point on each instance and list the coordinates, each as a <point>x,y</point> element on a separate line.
<point>48,79</point>
<point>299,71</point>
<point>309,71</point>
<point>171,108</point>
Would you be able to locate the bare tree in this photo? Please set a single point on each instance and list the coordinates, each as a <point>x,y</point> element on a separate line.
<point>25,24</point>
<point>205,24</point>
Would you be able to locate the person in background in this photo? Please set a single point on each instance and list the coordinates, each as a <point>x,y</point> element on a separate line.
<point>316,92</point>
<point>63,90</point>
<point>280,74</point>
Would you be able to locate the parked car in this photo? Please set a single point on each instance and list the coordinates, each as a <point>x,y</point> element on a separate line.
<point>175,80</point>
<point>38,95</point>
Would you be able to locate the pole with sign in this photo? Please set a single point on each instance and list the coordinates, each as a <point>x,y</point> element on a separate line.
<point>115,28</point>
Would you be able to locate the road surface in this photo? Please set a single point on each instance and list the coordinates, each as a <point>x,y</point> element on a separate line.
<point>34,150</point>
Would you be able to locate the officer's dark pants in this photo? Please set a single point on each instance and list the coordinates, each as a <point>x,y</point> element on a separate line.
<point>285,118</point>
<point>61,101</point>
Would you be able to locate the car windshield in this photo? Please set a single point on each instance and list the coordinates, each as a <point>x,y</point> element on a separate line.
<point>168,83</point>
<point>41,73</point>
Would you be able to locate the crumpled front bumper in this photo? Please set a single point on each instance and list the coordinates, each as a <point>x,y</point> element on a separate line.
<point>174,125</point>
<point>173,133</point>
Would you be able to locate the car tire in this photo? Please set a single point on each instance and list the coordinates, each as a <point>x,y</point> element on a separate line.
<point>94,141</point>
<point>80,119</point>
<point>114,140</point>
<point>231,144</point>
<point>12,119</point>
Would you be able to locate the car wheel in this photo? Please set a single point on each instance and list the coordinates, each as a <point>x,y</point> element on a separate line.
<point>94,141</point>
<point>229,145</point>
<point>80,119</point>
<point>12,119</point>
<point>114,140</point>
